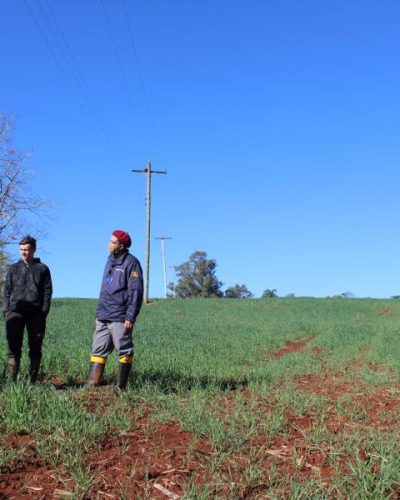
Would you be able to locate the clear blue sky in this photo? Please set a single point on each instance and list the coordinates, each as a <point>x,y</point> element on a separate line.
<point>277,122</point>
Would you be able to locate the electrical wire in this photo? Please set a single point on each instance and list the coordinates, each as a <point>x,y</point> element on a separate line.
<point>121,69</point>
<point>105,138</point>
<point>135,57</point>
<point>85,86</point>
<point>69,84</point>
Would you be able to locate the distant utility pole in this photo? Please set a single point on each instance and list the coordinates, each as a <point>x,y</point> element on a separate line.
<point>163,238</point>
<point>149,172</point>
<point>173,289</point>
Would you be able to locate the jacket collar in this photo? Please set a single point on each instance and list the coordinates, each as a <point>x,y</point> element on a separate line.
<point>35,260</point>
<point>117,260</point>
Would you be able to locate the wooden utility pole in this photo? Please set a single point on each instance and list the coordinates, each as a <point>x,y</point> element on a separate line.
<point>149,172</point>
<point>163,238</point>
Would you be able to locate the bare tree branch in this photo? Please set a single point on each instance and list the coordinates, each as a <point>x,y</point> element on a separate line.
<point>17,201</point>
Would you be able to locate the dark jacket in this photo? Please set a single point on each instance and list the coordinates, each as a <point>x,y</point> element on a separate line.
<point>121,291</point>
<point>28,287</point>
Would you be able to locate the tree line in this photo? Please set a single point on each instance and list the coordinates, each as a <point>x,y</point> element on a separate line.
<point>197,278</point>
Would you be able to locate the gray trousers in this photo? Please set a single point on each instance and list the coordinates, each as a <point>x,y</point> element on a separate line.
<point>111,335</point>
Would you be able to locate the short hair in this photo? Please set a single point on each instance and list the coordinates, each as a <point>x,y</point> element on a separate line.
<point>29,240</point>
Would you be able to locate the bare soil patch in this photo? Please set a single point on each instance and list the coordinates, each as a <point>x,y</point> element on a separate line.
<point>29,477</point>
<point>386,311</point>
<point>148,460</point>
<point>160,460</point>
<point>381,405</point>
<point>293,346</point>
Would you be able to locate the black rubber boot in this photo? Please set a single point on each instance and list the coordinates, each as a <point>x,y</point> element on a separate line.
<point>13,368</point>
<point>95,374</point>
<point>34,370</point>
<point>123,375</point>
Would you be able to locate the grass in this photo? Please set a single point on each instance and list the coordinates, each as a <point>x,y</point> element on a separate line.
<point>210,365</point>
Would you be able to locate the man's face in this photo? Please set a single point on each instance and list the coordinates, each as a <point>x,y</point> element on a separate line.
<point>114,246</point>
<point>26,252</point>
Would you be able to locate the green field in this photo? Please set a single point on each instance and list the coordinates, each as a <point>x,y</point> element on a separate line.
<point>229,398</point>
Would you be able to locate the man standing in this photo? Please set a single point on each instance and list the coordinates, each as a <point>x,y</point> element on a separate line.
<point>27,297</point>
<point>119,304</point>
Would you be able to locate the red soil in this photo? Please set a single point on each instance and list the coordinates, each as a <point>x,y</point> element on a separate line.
<point>292,346</point>
<point>31,477</point>
<point>386,311</point>
<point>160,460</point>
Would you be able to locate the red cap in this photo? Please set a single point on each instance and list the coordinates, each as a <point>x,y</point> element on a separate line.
<point>123,238</point>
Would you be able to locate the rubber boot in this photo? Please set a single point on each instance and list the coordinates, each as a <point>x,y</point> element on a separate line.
<point>97,365</point>
<point>13,368</point>
<point>34,370</point>
<point>125,365</point>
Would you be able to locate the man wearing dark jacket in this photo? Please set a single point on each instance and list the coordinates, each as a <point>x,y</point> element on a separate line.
<point>27,297</point>
<point>119,304</point>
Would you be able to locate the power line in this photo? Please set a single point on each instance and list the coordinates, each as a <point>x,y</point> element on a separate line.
<point>121,68</point>
<point>67,80</point>
<point>141,80</point>
<point>92,100</point>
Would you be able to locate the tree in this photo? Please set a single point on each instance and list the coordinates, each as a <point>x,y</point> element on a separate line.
<point>269,294</point>
<point>238,292</point>
<point>18,203</point>
<point>344,295</point>
<point>196,277</point>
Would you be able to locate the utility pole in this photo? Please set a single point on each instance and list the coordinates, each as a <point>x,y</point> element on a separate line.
<point>149,172</point>
<point>173,290</point>
<point>163,238</point>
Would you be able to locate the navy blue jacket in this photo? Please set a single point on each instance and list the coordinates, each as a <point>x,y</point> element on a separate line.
<point>121,293</point>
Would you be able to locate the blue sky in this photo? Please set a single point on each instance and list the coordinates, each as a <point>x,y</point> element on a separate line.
<point>277,122</point>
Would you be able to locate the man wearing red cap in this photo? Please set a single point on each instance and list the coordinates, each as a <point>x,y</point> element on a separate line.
<point>121,297</point>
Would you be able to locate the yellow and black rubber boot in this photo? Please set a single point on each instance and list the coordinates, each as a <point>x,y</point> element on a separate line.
<point>125,365</point>
<point>97,365</point>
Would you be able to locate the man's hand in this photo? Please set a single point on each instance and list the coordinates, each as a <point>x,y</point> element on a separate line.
<point>128,325</point>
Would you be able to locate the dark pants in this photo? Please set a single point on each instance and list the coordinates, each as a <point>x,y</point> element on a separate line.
<point>35,323</point>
